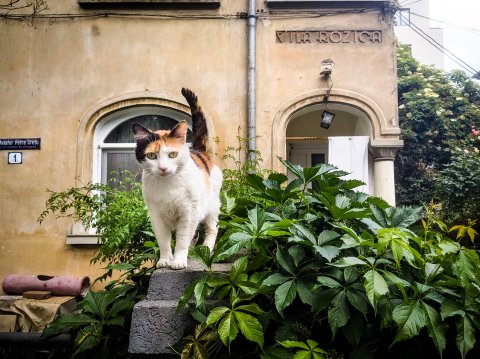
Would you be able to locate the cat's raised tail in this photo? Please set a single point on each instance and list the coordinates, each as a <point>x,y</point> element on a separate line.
<point>199,123</point>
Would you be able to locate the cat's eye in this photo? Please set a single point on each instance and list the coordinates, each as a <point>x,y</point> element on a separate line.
<point>173,154</point>
<point>151,155</point>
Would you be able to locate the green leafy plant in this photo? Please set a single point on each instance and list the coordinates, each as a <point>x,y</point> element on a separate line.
<point>329,270</point>
<point>101,320</point>
<point>237,317</point>
<point>455,184</point>
<point>200,343</point>
<point>438,115</point>
<point>307,350</point>
<point>116,210</point>
<point>239,162</point>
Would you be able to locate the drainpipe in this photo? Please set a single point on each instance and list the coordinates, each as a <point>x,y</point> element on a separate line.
<point>251,80</point>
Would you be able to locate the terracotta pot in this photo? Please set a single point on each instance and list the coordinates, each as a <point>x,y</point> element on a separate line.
<point>58,285</point>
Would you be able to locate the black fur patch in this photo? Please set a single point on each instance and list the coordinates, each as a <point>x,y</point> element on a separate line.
<point>143,140</point>
<point>199,123</point>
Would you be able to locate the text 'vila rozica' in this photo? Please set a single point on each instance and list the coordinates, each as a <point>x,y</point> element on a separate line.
<point>329,36</point>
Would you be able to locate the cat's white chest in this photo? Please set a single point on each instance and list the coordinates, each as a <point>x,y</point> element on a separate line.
<point>174,196</point>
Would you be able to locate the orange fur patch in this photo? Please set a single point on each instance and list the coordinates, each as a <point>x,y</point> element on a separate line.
<point>164,140</point>
<point>203,162</point>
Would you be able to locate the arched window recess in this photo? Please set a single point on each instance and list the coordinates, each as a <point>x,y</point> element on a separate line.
<point>114,145</point>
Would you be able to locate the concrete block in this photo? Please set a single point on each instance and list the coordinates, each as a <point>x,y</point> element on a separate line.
<point>155,326</point>
<point>169,284</point>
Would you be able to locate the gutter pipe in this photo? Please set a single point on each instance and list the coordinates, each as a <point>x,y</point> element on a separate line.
<point>251,81</point>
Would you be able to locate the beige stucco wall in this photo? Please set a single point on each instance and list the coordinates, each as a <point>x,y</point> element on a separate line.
<point>56,74</point>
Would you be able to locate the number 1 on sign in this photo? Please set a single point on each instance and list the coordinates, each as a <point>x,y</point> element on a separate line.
<point>14,158</point>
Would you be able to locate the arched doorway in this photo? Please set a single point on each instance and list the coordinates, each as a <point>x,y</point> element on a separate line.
<point>309,144</point>
<point>297,123</point>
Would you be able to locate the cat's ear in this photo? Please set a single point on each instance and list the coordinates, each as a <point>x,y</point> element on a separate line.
<point>140,132</point>
<point>180,131</point>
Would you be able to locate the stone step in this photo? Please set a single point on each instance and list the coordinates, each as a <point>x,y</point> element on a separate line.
<point>169,284</point>
<point>155,325</point>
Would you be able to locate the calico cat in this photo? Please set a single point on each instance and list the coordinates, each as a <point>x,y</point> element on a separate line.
<point>181,185</point>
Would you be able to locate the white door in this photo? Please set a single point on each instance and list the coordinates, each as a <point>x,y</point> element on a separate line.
<point>307,154</point>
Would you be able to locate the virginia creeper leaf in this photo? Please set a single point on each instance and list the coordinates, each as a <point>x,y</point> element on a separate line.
<point>410,319</point>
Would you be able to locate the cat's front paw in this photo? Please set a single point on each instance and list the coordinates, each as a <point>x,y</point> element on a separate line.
<point>163,263</point>
<point>178,264</point>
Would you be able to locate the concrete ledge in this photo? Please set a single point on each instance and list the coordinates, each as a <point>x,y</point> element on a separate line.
<point>86,239</point>
<point>155,325</point>
<point>169,284</point>
<point>327,4</point>
<point>33,340</point>
<point>150,4</point>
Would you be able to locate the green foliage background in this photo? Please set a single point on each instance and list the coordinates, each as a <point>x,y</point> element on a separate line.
<point>439,116</point>
<point>327,272</point>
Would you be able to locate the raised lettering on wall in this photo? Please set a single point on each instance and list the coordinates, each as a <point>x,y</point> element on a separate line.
<point>329,36</point>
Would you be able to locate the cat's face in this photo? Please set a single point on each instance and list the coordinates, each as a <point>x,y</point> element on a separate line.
<point>161,153</point>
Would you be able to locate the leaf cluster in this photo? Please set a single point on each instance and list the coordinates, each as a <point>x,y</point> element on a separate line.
<point>101,320</point>
<point>322,271</point>
<point>438,111</point>
<point>99,323</point>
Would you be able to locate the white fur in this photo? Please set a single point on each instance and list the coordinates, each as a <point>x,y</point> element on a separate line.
<point>178,197</point>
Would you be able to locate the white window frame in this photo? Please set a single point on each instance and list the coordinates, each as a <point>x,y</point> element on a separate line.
<point>111,121</point>
<point>402,17</point>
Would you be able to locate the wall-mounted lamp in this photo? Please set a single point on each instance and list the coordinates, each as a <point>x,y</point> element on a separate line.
<point>327,67</point>
<point>327,118</point>
<point>325,71</point>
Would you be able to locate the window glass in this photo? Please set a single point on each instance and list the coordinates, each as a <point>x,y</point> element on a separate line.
<point>123,132</point>
<point>402,17</point>
<point>318,158</point>
<point>114,144</point>
<point>118,149</point>
<point>117,161</point>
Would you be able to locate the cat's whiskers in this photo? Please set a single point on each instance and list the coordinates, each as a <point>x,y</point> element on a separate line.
<point>148,177</point>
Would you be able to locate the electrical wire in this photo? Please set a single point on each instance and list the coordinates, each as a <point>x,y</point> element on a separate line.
<point>447,52</point>
<point>469,69</point>
<point>121,15</point>
<point>113,14</point>
<point>406,2</point>
<point>474,31</point>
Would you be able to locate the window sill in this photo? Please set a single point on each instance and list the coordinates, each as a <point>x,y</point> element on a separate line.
<point>149,4</point>
<point>317,4</point>
<point>82,239</point>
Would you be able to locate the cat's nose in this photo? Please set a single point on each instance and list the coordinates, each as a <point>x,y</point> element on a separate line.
<point>163,169</point>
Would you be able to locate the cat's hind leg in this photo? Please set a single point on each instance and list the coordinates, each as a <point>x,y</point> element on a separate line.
<point>211,230</point>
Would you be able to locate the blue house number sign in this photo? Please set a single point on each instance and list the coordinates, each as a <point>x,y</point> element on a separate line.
<point>15,144</point>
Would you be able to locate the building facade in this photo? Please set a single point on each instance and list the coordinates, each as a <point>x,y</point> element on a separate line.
<point>414,29</point>
<point>74,77</point>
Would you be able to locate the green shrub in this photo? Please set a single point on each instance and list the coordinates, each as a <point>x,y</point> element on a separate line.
<point>438,113</point>
<point>116,210</point>
<point>329,272</point>
<point>457,185</point>
<point>238,165</point>
<point>101,321</point>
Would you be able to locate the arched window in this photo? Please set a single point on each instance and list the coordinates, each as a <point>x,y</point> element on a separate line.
<point>114,145</point>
